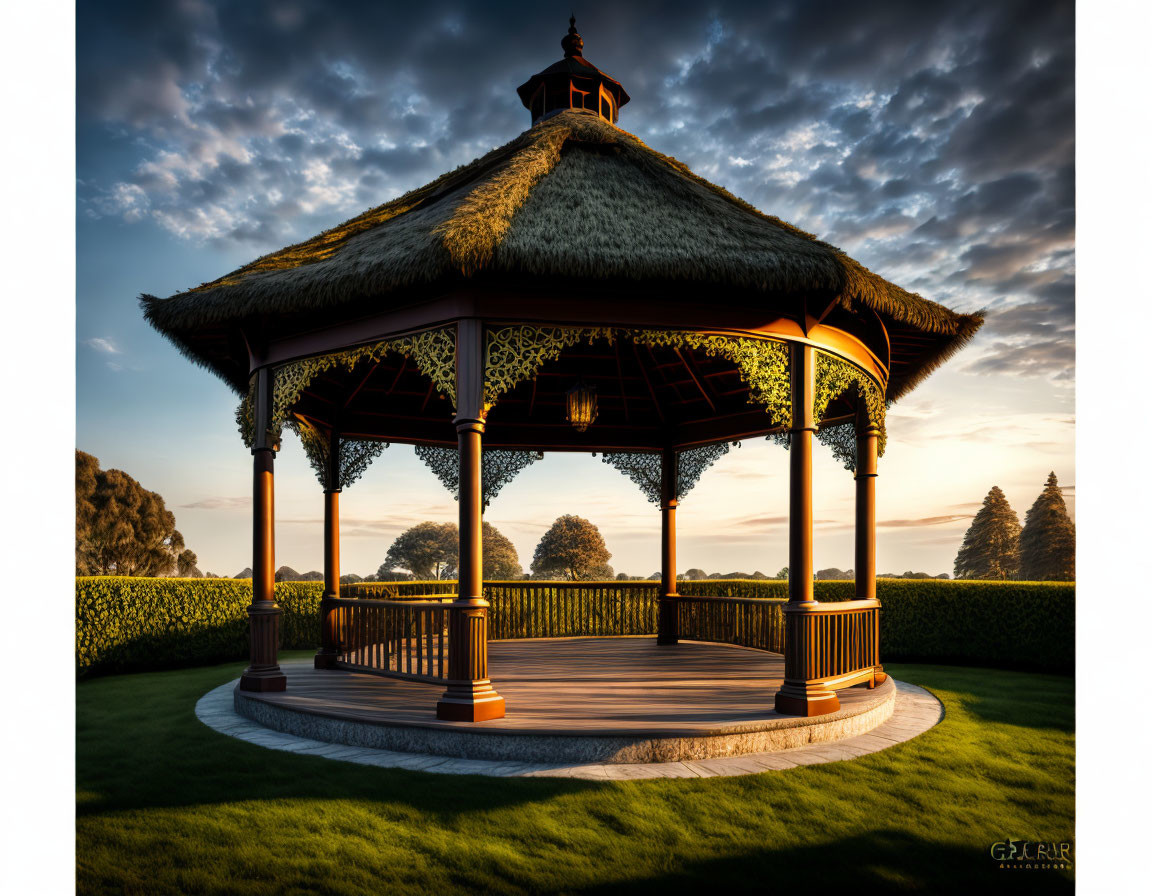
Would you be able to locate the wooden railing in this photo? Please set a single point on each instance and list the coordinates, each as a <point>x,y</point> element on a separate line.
<point>531,609</point>
<point>748,622</point>
<point>404,632</point>
<point>399,638</point>
<point>833,644</point>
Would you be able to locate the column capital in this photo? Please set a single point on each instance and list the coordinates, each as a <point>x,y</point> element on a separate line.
<point>469,424</point>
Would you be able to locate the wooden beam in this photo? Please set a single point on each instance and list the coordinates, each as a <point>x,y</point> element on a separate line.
<point>648,383</point>
<point>696,380</point>
<point>363,383</point>
<point>620,377</point>
<point>399,373</point>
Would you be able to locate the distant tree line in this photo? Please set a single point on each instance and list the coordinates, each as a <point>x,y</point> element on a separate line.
<point>996,546</point>
<point>124,529</point>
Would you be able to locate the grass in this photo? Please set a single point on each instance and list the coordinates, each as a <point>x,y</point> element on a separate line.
<point>166,805</point>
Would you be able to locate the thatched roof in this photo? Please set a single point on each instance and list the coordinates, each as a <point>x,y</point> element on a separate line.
<point>573,197</point>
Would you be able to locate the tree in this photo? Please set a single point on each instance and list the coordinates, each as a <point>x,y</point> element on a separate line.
<point>186,564</point>
<point>1048,540</point>
<point>121,527</point>
<point>427,550</point>
<point>943,575</point>
<point>500,558</point>
<point>991,548</point>
<point>572,548</point>
<point>783,574</point>
<point>431,550</point>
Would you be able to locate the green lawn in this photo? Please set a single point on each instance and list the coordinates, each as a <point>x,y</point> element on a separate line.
<point>167,806</point>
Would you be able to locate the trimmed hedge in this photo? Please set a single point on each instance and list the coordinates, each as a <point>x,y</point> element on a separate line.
<point>133,624</point>
<point>128,624</point>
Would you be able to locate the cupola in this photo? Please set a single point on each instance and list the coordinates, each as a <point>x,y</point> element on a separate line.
<point>572,83</point>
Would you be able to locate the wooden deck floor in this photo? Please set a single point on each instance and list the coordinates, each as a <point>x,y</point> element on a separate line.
<point>604,686</point>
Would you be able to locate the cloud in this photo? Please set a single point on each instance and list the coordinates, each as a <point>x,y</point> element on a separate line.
<point>934,142</point>
<point>217,503</point>
<point>923,521</point>
<point>103,344</point>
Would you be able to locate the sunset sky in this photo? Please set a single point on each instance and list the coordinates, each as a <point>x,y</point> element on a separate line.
<point>933,142</point>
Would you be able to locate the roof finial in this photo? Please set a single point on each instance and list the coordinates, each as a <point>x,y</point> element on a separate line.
<point>572,43</point>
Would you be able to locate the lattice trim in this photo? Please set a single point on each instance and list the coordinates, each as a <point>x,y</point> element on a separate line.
<point>834,377</point>
<point>642,467</point>
<point>645,468</point>
<point>692,464</point>
<point>498,467</point>
<point>356,455</point>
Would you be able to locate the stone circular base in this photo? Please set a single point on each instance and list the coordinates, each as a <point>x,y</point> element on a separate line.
<point>771,735</point>
<point>591,700</point>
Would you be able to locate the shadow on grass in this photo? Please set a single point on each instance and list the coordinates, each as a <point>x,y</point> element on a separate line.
<point>1034,700</point>
<point>882,861</point>
<point>139,745</point>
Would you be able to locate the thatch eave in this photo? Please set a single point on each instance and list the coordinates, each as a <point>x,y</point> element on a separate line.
<point>469,225</point>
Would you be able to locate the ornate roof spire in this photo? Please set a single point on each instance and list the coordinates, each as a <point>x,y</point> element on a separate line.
<point>572,83</point>
<point>572,42</point>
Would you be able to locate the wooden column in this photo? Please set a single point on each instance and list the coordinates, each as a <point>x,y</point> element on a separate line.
<point>799,695</point>
<point>667,622</point>
<point>469,696</point>
<point>329,636</point>
<point>263,672</point>
<point>867,444</point>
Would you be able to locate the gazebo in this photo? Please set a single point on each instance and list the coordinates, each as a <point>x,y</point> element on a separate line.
<point>572,290</point>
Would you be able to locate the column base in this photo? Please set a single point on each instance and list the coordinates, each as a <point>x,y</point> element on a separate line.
<point>470,701</point>
<point>263,680</point>
<point>324,660</point>
<point>880,677</point>
<point>805,700</point>
<point>667,620</point>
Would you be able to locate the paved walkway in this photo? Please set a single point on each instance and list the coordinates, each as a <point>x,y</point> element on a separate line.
<point>916,711</point>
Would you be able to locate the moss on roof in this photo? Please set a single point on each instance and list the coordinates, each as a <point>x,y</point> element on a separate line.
<point>573,196</point>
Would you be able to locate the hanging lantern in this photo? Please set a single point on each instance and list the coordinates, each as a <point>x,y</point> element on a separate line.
<point>582,405</point>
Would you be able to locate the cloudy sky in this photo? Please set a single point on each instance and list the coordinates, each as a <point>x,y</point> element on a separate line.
<point>934,142</point>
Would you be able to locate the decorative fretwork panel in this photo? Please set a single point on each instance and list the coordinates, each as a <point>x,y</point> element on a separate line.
<point>692,464</point>
<point>644,468</point>
<point>515,354</point>
<point>356,455</point>
<point>834,378</point>
<point>432,351</point>
<point>498,467</point>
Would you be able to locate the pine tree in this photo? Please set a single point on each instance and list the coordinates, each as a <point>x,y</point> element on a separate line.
<point>1048,542</point>
<point>991,548</point>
